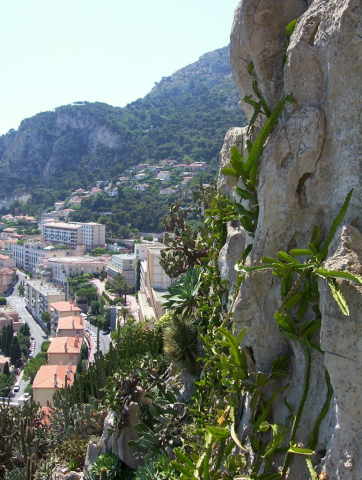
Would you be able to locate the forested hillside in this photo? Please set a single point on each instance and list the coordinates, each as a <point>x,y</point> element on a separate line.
<point>184,117</point>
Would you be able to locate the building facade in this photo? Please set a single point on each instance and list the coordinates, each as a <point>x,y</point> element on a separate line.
<point>39,295</point>
<point>91,234</point>
<point>49,379</point>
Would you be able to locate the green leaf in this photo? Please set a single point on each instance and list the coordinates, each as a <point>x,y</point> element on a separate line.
<point>250,67</point>
<point>247,224</point>
<point>339,298</point>
<point>323,272</point>
<point>184,458</point>
<point>290,28</point>
<point>293,300</point>
<point>243,193</point>
<point>242,268</point>
<point>261,98</point>
<point>300,252</point>
<point>334,226</point>
<point>275,442</point>
<point>316,235</point>
<point>234,349</point>
<point>218,433</point>
<point>232,429</point>
<point>182,469</point>
<point>300,451</point>
<point>264,426</point>
<point>309,327</point>
<point>288,258</point>
<point>260,379</point>
<point>251,164</point>
<point>313,473</point>
<point>285,322</point>
<point>229,172</point>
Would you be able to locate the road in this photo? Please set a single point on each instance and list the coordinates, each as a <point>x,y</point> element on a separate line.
<point>104,340</point>
<point>40,335</point>
<point>35,331</point>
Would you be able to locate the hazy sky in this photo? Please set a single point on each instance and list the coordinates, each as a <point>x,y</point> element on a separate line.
<point>55,52</point>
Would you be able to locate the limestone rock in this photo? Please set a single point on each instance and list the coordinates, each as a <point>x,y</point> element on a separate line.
<point>341,341</point>
<point>308,165</point>
<point>257,36</point>
<point>93,451</point>
<point>116,440</point>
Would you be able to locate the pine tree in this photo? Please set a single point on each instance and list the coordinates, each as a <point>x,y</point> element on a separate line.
<point>6,369</point>
<point>15,352</point>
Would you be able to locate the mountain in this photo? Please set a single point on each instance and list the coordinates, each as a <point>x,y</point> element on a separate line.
<point>185,115</point>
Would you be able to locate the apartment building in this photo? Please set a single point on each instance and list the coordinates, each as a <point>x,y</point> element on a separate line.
<point>153,283</point>
<point>63,309</point>
<point>49,379</point>
<point>65,350</point>
<point>7,262</point>
<point>7,277</point>
<point>125,264</point>
<point>91,234</point>
<point>39,295</point>
<point>60,268</point>
<point>28,255</point>
<point>71,326</point>
<point>9,316</point>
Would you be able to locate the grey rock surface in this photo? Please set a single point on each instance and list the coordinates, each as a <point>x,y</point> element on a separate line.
<point>310,162</point>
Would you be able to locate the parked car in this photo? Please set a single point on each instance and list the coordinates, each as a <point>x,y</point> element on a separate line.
<point>16,387</point>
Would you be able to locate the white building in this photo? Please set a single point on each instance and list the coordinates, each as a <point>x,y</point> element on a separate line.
<point>164,176</point>
<point>113,192</point>
<point>39,295</point>
<point>28,255</point>
<point>125,264</point>
<point>70,235</point>
<point>141,187</point>
<point>61,268</point>
<point>153,283</point>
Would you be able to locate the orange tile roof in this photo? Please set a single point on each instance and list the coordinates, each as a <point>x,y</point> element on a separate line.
<point>58,345</point>
<point>66,323</point>
<point>64,307</point>
<point>45,376</point>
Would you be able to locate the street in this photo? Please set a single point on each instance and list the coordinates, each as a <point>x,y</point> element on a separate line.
<point>35,331</point>
<point>39,335</point>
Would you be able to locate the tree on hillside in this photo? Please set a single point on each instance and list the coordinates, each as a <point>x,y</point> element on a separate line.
<point>45,317</point>
<point>15,352</point>
<point>120,285</point>
<point>6,369</point>
<point>2,301</point>
<point>24,330</point>
<point>6,339</point>
<point>33,365</point>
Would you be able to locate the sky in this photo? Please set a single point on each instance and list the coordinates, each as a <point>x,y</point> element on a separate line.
<point>56,52</point>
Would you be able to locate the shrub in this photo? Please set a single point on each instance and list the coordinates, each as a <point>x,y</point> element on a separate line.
<point>181,344</point>
<point>112,464</point>
<point>157,469</point>
<point>2,301</point>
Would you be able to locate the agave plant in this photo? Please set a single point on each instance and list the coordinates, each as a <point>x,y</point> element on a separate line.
<point>181,343</point>
<point>183,296</point>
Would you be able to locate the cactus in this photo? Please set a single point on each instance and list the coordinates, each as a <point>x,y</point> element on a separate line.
<point>27,436</point>
<point>103,474</point>
<point>66,406</point>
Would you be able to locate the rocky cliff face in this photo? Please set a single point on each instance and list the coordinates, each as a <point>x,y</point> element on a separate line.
<point>310,162</point>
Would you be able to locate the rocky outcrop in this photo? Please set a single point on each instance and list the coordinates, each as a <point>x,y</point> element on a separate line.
<point>310,162</point>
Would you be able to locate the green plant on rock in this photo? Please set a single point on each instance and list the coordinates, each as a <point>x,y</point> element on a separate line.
<point>183,295</point>
<point>181,346</point>
<point>112,465</point>
<point>159,468</point>
<point>73,452</point>
<point>164,425</point>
